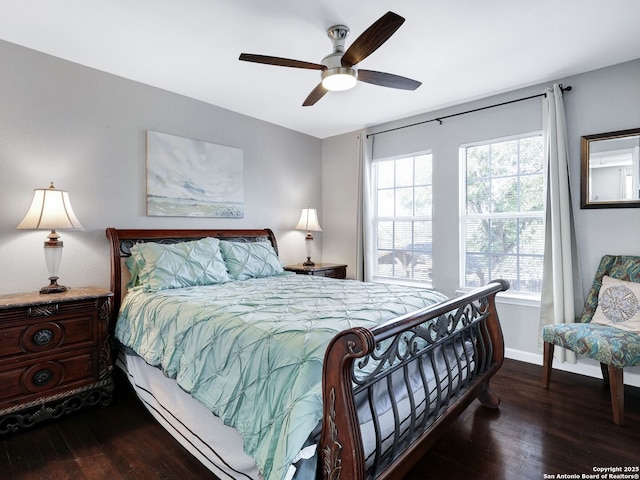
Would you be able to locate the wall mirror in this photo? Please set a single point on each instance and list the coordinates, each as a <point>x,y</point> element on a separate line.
<point>610,169</point>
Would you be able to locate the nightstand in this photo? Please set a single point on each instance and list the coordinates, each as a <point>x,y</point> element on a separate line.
<point>333,270</point>
<point>55,356</point>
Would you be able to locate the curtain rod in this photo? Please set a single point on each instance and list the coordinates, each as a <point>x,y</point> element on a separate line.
<point>439,119</point>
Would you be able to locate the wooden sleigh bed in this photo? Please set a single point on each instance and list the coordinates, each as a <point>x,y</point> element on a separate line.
<point>387,391</point>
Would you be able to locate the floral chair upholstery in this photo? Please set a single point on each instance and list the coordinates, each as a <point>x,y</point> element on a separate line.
<point>614,348</point>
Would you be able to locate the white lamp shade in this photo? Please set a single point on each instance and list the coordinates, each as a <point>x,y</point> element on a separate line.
<point>308,221</point>
<point>50,210</point>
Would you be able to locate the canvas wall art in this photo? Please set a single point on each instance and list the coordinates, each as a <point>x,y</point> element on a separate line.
<point>192,178</point>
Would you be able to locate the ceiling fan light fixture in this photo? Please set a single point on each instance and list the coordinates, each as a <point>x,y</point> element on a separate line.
<point>339,78</point>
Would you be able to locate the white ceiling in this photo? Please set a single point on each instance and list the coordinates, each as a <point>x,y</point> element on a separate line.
<point>459,49</point>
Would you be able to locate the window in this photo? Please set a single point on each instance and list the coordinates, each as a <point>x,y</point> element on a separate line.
<point>502,213</point>
<point>402,191</point>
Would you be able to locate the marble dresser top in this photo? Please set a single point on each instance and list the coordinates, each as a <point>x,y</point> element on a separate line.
<point>13,300</point>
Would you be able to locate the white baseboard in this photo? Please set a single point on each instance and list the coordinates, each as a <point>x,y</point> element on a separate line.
<point>584,366</point>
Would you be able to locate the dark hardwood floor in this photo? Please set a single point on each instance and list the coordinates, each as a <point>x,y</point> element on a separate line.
<point>565,430</point>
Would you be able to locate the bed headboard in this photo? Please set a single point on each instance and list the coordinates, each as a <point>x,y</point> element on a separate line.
<point>121,242</point>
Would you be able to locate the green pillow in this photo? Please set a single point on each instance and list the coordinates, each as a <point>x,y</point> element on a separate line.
<point>159,266</point>
<point>250,259</point>
<point>134,270</point>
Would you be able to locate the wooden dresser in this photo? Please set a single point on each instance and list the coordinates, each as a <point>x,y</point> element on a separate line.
<point>333,270</point>
<point>55,355</point>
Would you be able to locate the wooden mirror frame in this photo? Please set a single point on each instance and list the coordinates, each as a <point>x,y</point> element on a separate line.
<point>585,144</point>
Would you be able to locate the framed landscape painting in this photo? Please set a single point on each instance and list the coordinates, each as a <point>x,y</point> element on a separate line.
<point>192,178</point>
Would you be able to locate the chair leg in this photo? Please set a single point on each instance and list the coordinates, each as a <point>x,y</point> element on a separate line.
<point>616,383</point>
<point>605,373</point>
<point>547,364</point>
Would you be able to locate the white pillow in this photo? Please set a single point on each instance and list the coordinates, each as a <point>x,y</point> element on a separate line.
<point>618,304</point>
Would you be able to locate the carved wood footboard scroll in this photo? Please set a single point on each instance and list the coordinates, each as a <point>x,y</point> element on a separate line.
<point>389,392</point>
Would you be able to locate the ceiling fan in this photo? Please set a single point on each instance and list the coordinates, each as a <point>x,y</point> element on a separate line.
<point>339,70</point>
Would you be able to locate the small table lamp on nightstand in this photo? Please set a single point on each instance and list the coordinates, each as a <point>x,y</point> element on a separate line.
<point>51,210</point>
<point>309,222</point>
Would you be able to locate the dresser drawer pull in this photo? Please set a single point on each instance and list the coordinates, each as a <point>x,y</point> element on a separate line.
<point>46,336</point>
<point>42,377</point>
<point>42,310</point>
<point>43,337</point>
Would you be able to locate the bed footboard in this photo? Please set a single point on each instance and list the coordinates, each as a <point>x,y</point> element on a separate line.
<point>389,392</point>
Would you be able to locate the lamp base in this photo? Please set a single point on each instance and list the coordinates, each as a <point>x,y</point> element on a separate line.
<point>308,263</point>
<point>53,287</point>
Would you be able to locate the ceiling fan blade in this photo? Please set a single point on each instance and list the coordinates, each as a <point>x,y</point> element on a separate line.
<point>281,62</point>
<point>387,80</point>
<point>315,95</point>
<point>374,36</point>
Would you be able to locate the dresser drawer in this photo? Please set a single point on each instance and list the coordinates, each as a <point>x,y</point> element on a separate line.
<point>46,377</point>
<point>336,272</point>
<point>45,335</point>
<point>332,270</point>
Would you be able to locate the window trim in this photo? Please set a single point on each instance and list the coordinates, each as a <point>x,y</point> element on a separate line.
<point>527,299</point>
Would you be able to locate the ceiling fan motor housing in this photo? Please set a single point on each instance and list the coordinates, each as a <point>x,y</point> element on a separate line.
<point>333,62</point>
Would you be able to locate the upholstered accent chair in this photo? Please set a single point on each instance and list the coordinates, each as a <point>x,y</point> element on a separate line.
<point>613,347</point>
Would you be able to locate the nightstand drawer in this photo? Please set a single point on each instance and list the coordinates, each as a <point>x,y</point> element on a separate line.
<point>52,310</point>
<point>335,272</point>
<point>41,336</point>
<point>21,384</point>
<point>332,270</point>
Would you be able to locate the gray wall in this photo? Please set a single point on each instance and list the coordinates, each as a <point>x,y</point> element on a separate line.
<point>601,101</point>
<point>85,130</point>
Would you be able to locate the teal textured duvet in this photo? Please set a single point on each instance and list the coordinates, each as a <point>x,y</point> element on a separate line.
<point>251,351</point>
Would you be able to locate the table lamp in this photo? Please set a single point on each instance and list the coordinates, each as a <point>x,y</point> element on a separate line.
<point>51,210</point>
<point>309,222</point>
